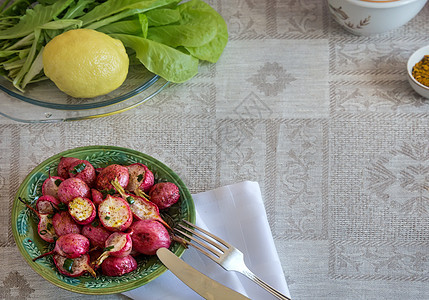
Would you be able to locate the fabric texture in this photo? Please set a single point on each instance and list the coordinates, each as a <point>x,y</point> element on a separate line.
<point>236,214</point>
<point>326,123</point>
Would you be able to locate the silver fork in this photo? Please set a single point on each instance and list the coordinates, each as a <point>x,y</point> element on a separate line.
<point>226,255</point>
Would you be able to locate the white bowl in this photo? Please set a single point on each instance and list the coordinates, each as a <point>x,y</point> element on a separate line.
<point>417,56</point>
<point>366,17</point>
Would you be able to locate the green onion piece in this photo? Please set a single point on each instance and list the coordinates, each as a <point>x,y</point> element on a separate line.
<point>140,177</point>
<point>107,218</point>
<point>95,223</point>
<point>78,168</point>
<point>68,265</point>
<point>108,248</point>
<point>62,206</point>
<point>130,200</point>
<point>58,182</point>
<point>43,232</point>
<point>107,192</point>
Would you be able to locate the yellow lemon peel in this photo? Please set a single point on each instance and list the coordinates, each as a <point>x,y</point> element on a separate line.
<point>85,63</point>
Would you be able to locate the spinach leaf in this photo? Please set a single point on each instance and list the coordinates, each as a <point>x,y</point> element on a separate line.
<point>35,17</point>
<point>212,50</point>
<point>162,16</point>
<point>138,26</point>
<point>167,62</point>
<point>77,9</point>
<point>196,28</point>
<point>112,7</point>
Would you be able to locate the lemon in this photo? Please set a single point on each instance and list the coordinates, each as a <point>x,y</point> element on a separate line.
<point>85,63</point>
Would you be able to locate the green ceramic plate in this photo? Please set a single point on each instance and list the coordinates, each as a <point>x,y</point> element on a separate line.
<point>24,223</point>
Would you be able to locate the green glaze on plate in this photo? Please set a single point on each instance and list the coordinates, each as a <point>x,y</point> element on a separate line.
<point>24,222</point>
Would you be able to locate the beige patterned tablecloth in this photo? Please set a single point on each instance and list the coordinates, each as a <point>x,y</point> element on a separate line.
<point>326,123</point>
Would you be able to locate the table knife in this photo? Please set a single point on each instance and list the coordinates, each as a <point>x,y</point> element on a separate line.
<point>200,283</point>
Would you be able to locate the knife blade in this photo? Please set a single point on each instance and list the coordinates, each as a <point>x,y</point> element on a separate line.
<point>200,283</point>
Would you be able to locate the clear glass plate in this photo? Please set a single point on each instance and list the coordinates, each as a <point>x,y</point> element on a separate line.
<point>43,102</point>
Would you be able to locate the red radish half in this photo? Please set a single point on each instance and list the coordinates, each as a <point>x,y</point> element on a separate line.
<point>74,267</point>
<point>82,210</point>
<point>47,204</point>
<point>141,208</point>
<point>50,186</point>
<point>118,244</point>
<point>45,228</point>
<point>115,213</point>
<point>140,178</point>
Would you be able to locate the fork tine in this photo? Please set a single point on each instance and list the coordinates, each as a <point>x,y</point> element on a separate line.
<point>210,255</point>
<point>215,251</point>
<point>208,233</point>
<point>213,243</point>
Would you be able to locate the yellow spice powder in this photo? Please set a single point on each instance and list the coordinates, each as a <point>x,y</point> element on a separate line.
<point>421,71</point>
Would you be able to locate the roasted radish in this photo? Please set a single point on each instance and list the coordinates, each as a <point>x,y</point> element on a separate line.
<point>141,208</point>
<point>96,196</point>
<point>96,233</point>
<point>117,266</point>
<point>84,170</point>
<point>148,236</point>
<point>109,173</point>
<point>47,204</point>
<point>64,224</point>
<point>50,186</point>
<point>64,165</point>
<point>115,213</point>
<point>164,194</point>
<point>82,210</point>
<point>45,229</point>
<point>74,267</point>
<point>72,188</point>
<point>71,245</point>
<point>118,244</point>
<point>141,178</point>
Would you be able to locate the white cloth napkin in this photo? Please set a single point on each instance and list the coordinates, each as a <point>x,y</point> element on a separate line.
<point>235,213</point>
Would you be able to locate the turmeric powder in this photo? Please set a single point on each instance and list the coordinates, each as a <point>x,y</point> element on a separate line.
<point>421,71</point>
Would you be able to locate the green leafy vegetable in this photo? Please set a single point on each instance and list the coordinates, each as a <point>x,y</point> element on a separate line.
<point>35,17</point>
<point>138,26</point>
<point>212,50</point>
<point>163,16</point>
<point>160,59</point>
<point>168,37</point>
<point>194,31</point>
<point>112,7</point>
